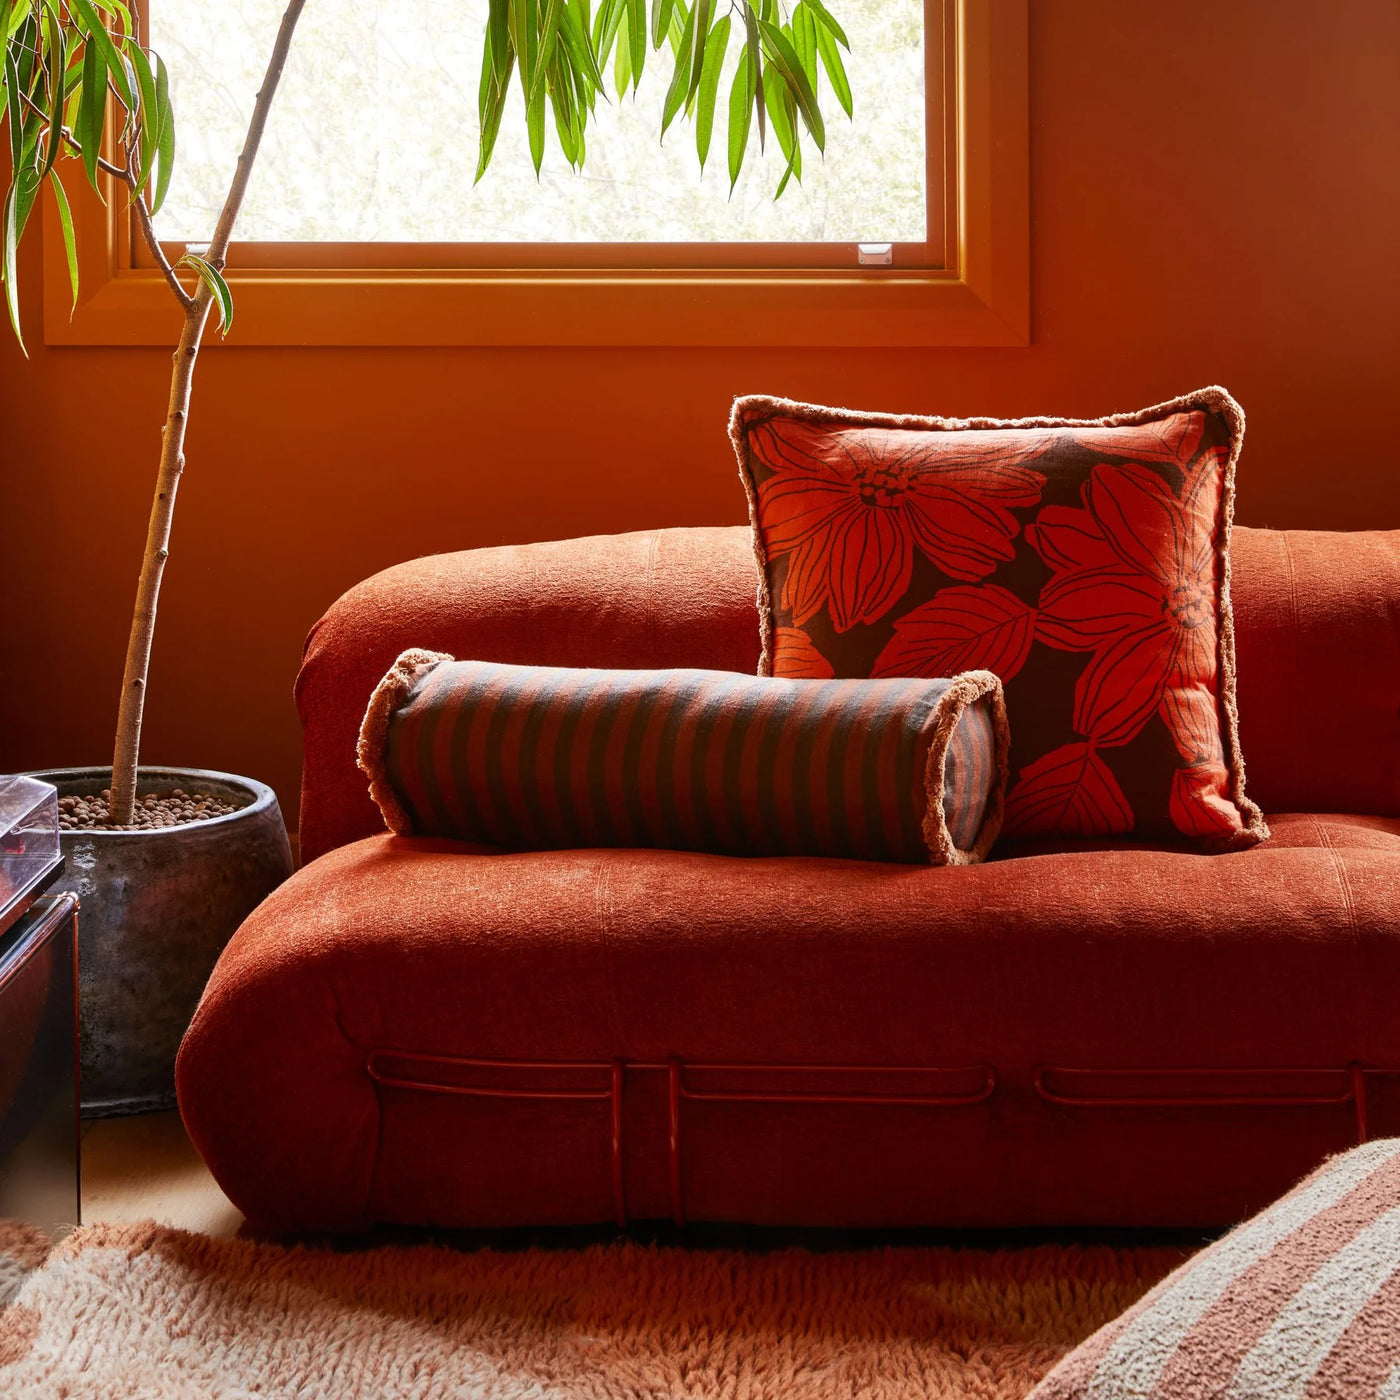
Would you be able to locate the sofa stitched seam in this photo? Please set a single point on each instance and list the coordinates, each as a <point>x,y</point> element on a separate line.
<point>1339,866</point>
<point>359,1049</point>
<point>651,592</point>
<point>602,885</point>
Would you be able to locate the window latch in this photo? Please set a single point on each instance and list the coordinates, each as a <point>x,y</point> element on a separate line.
<point>875,254</point>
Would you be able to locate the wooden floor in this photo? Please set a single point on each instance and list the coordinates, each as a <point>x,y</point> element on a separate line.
<point>144,1168</point>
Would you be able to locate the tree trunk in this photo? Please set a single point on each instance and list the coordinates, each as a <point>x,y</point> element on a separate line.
<point>126,756</point>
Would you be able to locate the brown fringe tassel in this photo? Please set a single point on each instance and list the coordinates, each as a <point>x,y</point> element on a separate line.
<point>389,694</point>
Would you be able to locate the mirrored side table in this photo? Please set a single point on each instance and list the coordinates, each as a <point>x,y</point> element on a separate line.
<point>39,1131</point>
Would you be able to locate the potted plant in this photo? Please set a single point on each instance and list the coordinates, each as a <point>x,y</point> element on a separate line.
<point>168,861</point>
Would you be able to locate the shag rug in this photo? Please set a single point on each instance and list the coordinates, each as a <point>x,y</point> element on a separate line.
<point>153,1314</point>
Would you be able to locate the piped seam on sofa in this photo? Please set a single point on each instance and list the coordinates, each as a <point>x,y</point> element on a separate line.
<point>678,1092</point>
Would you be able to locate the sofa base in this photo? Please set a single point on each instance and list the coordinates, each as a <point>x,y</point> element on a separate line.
<point>412,1032</point>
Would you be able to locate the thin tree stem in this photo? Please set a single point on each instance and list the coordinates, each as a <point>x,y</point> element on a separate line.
<point>172,452</point>
<point>148,233</point>
<point>71,141</point>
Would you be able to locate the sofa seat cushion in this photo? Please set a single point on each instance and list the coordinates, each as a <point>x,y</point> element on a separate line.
<point>1291,829</point>
<point>1280,961</point>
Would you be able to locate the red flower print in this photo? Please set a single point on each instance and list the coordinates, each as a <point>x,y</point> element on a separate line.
<point>1069,791</point>
<point>1140,597</point>
<point>1200,805</point>
<point>1173,439</point>
<point>964,628</point>
<point>800,659</point>
<point>847,508</point>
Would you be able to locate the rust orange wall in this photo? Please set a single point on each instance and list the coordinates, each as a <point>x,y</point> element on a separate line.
<point>1214,200</point>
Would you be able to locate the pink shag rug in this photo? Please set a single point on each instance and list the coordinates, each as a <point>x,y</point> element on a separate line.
<point>157,1313</point>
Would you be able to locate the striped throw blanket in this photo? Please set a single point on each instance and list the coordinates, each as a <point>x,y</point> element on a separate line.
<point>539,757</point>
<point>1301,1302</point>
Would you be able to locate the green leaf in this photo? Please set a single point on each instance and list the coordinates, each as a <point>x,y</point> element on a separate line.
<point>741,103</point>
<point>492,107</point>
<point>14,112</point>
<point>804,41</point>
<point>785,58</point>
<point>165,137</point>
<point>637,38</point>
<point>150,118</point>
<point>91,21</point>
<point>575,36</point>
<point>704,12</point>
<point>680,79</point>
<point>218,288</point>
<point>794,165</point>
<point>716,46</point>
<point>120,10</point>
<point>57,57</point>
<point>498,37</point>
<point>527,45</point>
<point>9,268</point>
<point>622,64</point>
<point>65,222</point>
<point>781,108</point>
<point>566,118</point>
<point>27,185</point>
<point>132,113</point>
<point>549,33</point>
<point>827,21</point>
<point>92,112</point>
<point>753,56</point>
<point>534,125</point>
<point>605,28</point>
<point>660,21</point>
<point>26,49</point>
<point>835,68</point>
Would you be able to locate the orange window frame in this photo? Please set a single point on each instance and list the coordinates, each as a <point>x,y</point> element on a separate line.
<point>968,285</point>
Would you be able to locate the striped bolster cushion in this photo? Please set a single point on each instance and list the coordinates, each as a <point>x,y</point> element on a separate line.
<point>542,757</point>
<point>1302,1301</point>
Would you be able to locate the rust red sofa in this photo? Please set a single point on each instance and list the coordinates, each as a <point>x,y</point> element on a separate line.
<point>415,1031</point>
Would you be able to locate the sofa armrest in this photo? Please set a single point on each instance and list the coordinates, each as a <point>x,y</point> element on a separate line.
<point>679,597</point>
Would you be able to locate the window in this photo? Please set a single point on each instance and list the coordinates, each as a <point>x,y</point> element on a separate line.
<point>392,243</point>
<point>374,133</point>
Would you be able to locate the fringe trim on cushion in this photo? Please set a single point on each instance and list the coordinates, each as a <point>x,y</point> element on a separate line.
<point>751,410</point>
<point>373,743</point>
<point>963,690</point>
<point>739,425</point>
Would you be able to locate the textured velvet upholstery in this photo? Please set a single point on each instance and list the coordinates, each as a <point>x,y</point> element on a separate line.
<point>1285,956</point>
<point>654,598</point>
<point>1061,980</point>
<point>1318,631</point>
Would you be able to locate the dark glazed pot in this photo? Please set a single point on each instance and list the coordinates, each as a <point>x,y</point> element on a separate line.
<point>157,909</point>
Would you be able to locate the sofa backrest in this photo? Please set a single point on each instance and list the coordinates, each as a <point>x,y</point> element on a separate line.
<point>655,598</point>
<point>1317,626</point>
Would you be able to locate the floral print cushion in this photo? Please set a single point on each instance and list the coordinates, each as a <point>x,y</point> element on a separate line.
<point>1084,562</point>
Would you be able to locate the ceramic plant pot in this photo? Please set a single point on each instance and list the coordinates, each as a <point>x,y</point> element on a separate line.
<point>157,908</point>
